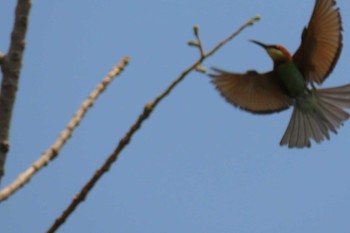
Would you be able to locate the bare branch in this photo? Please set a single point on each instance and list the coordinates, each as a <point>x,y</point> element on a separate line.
<point>2,57</point>
<point>148,109</point>
<point>11,65</point>
<point>222,43</point>
<point>199,42</point>
<point>53,151</point>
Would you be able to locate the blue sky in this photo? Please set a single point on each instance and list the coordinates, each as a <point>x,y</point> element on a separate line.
<point>198,164</point>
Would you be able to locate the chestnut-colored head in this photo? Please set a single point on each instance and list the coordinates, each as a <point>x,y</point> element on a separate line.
<point>277,53</point>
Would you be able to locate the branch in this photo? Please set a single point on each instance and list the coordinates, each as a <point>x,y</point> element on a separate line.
<point>2,57</point>
<point>55,148</point>
<point>148,109</point>
<point>11,65</point>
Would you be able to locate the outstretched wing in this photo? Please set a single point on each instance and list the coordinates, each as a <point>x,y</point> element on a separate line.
<point>253,92</point>
<point>321,42</point>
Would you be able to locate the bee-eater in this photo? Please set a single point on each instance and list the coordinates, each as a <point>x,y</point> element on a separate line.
<point>291,82</point>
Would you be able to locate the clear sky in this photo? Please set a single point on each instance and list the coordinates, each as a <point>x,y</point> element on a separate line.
<point>198,164</point>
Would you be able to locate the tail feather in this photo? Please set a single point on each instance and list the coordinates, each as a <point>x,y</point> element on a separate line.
<point>315,130</point>
<point>322,113</point>
<point>303,131</point>
<point>333,114</point>
<point>339,96</point>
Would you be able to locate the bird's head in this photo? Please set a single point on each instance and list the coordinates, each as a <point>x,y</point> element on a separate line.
<point>277,52</point>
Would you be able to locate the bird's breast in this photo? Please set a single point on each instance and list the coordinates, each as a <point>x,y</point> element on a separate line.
<point>291,78</point>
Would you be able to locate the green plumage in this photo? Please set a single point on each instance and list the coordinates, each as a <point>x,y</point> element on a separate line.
<point>296,86</point>
<point>292,79</point>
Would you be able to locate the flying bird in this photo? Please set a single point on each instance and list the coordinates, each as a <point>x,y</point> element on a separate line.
<point>291,82</point>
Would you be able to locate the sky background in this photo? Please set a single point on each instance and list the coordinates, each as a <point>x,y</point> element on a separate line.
<point>198,164</point>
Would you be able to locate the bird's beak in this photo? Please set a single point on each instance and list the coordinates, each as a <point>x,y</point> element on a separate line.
<point>265,46</point>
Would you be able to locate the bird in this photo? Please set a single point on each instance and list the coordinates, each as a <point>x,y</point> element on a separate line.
<point>293,79</point>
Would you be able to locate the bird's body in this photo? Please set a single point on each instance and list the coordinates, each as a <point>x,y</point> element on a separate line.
<point>291,78</point>
<point>291,82</point>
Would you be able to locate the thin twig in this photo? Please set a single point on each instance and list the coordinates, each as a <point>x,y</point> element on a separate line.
<point>249,23</point>
<point>55,148</point>
<point>148,108</point>
<point>11,65</point>
<point>199,41</point>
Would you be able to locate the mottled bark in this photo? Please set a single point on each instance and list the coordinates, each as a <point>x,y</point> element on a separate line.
<point>11,64</point>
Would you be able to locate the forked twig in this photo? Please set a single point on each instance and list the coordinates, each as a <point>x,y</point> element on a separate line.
<point>141,118</point>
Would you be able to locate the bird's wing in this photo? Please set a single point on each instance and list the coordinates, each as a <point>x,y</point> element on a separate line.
<point>253,92</point>
<point>321,42</point>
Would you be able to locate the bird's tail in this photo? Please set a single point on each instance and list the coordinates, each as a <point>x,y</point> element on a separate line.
<point>316,114</point>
